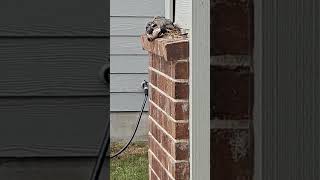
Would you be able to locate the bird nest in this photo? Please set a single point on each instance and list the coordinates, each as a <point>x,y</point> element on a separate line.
<point>161,27</point>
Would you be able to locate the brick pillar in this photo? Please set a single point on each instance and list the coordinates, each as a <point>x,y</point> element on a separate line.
<point>168,108</point>
<point>232,90</point>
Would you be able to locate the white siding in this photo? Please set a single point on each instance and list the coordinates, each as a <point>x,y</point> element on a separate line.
<point>169,9</point>
<point>123,83</point>
<point>183,14</point>
<point>127,26</point>
<point>125,45</point>
<point>137,8</point>
<point>133,64</point>
<point>129,63</point>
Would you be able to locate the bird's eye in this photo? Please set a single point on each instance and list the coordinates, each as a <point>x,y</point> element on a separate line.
<point>154,25</point>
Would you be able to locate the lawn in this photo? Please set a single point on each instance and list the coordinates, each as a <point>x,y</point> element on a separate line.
<point>132,164</point>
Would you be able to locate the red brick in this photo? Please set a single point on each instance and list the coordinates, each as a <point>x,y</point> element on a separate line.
<point>166,142</point>
<point>231,28</point>
<point>169,49</point>
<point>178,169</point>
<point>178,130</point>
<point>177,50</point>
<point>158,169</point>
<point>168,108</point>
<point>177,150</point>
<point>178,110</point>
<point>181,131</point>
<point>181,70</point>
<point>152,175</point>
<point>182,171</point>
<point>158,151</point>
<point>175,89</point>
<point>174,69</point>
<point>232,97</point>
<point>181,151</point>
<point>224,165</point>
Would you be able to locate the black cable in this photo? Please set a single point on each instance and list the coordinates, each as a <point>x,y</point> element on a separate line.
<point>135,131</point>
<point>102,153</point>
<point>106,140</point>
<point>146,93</point>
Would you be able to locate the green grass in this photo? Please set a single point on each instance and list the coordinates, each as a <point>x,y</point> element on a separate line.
<point>132,164</point>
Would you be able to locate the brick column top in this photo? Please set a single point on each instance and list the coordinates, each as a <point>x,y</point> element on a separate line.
<point>169,49</point>
<point>168,108</point>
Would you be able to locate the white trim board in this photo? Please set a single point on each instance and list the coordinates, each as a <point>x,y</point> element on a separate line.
<point>194,16</point>
<point>169,9</point>
<point>183,15</point>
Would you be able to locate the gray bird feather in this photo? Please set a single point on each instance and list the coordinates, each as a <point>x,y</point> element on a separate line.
<point>159,27</point>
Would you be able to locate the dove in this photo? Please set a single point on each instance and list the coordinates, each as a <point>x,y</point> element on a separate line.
<point>160,27</point>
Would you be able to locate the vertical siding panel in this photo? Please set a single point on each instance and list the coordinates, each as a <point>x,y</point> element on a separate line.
<point>290,90</point>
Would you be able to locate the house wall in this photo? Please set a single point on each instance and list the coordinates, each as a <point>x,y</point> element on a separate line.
<point>53,104</point>
<point>129,64</point>
<point>288,99</point>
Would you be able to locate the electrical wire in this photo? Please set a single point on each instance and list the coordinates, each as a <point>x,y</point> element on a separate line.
<point>102,153</point>
<point>106,140</point>
<point>135,131</point>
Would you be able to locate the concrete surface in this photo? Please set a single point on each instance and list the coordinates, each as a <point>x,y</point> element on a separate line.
<point>122,125</point>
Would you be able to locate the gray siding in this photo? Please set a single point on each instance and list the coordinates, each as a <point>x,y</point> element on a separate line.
<point>53,18</point>
<point>52,102</point>
<point>29,66</point>
<point>289,81</point>
<point>129,62</point>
